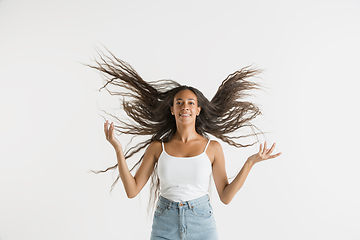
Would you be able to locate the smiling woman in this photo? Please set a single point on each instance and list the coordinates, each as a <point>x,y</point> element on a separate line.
<point>180,157</point>
<point>185,105</point>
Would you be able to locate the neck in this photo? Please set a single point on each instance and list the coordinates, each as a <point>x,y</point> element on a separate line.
<point>185,133</point>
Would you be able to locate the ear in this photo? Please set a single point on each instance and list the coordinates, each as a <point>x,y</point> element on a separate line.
<point>198,111</point>
<point>172,110</point>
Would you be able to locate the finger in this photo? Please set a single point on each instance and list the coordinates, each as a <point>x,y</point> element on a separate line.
<point>271,149</point>
<point>106,128</point>
<point>111,130</point>
<point>264,151</point>
<point>260,151</point>
<point>275,155</point>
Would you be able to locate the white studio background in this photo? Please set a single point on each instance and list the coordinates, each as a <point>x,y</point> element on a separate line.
<point>51,132</point>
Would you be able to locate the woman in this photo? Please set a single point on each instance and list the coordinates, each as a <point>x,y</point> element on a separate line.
<point>179,157</point>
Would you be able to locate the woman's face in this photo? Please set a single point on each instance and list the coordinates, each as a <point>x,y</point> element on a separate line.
<point>185,107</point>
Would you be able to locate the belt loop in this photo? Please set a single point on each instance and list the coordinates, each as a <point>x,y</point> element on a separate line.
<point>189,205</point>
<point>170,202</point>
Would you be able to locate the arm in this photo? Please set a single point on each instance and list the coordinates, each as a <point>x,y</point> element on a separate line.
<point>225,190</point>
<point>133,185</point>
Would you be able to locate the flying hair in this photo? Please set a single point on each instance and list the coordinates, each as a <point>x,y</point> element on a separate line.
<point>147,104</point>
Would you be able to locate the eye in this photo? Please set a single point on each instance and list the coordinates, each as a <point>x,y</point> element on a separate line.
<point>178,103</point>
<point>192,103</point>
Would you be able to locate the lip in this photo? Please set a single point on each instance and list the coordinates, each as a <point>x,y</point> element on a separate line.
<point>185,115</point>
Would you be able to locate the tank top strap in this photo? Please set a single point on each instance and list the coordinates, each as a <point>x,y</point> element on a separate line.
<point>207,145</point>
<point>163,147</point>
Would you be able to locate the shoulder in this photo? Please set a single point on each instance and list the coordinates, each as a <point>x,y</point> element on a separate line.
<point>155,144</point>
<point>215,145</point>
<point>155,149</point>
<point>214,150</point>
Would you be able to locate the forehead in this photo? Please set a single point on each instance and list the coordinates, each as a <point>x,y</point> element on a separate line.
<point>185,94</point>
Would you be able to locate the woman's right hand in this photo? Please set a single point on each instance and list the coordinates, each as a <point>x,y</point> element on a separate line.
<point>109,134</point>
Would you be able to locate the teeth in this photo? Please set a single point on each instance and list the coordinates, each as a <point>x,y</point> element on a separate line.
<point>186,115</point>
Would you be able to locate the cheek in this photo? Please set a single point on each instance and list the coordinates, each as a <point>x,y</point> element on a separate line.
<point>175,109</point>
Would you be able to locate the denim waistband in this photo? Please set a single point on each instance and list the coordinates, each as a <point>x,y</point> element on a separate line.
<point>189,204</point>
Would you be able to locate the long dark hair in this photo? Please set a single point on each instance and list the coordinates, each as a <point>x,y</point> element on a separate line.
<point>148,106</point>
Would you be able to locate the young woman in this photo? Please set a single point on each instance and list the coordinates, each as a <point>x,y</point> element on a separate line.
<point>179,156</point>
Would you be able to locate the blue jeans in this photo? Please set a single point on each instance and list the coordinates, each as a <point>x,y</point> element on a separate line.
<point>188,220</point>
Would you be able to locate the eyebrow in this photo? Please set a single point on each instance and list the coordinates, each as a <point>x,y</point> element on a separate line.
<point>182,99</point>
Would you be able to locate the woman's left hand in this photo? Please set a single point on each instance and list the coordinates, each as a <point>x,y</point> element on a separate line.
<point>263,154</point>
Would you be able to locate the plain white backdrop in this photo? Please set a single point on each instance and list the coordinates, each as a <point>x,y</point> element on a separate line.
<point>51,131</point>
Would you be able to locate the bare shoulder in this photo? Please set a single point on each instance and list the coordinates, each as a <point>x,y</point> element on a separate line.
<point>154,149</point>
<point>215,145</point>
<point>214,150</point>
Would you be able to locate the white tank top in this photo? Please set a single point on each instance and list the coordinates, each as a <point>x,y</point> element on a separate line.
<point>184,178</point>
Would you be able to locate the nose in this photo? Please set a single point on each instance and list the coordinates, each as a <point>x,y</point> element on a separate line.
<point>185,106</point>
